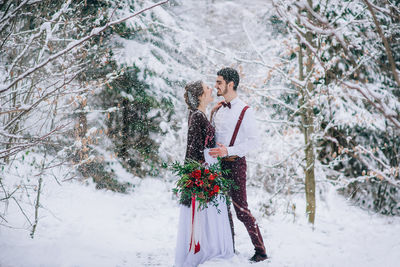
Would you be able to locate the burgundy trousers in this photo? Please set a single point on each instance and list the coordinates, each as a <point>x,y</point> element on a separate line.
<point>239,199</point>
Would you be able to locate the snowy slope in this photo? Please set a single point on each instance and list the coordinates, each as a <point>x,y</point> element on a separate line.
<point>87,227</point>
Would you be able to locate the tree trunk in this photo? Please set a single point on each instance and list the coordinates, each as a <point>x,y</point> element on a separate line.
<point>80,134</point>
<point>307,116</point>
<point>309,151</point>
<point>125,130</point>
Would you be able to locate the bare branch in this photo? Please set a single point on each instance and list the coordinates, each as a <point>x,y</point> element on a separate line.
<point>12,14</point>
<point>22,210</point>
<point>35,104</point>
<point>385,43</point>
<point>37,206</point>
<point>14,150</point>
<point>373,101</point>
<point>43,28</point>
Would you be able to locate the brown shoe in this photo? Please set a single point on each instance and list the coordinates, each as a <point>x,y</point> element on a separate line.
<point>258,257</point>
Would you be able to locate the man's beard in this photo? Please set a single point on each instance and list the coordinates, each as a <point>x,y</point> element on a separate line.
<point>222,92</point>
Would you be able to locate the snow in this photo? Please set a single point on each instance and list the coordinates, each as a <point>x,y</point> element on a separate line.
<point>82,226</point>
<point>128,96</point>
<point>113,109</point>
<point>164,126</point>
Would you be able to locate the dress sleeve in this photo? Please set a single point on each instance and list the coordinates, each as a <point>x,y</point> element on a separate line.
<point>196,137</point>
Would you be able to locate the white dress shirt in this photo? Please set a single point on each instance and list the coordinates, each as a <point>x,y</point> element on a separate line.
<point>225,120</point>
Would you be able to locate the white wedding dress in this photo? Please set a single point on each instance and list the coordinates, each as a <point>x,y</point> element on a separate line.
<point>214,233</point>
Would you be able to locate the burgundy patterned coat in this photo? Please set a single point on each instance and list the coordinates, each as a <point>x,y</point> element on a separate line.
<point>200,136</point>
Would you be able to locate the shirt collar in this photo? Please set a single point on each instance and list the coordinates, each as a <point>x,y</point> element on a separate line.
<point>234,101</point>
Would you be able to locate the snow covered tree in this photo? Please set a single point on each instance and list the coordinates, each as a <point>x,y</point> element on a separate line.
<point>135,119</point>
<point>54,58</point>
<point>355,75</point>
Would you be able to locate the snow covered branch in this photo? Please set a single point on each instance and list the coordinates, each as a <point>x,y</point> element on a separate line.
<point>385,43</point>
<point>72,45</point>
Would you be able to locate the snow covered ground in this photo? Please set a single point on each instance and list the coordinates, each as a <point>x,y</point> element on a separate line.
<point>82,226</point>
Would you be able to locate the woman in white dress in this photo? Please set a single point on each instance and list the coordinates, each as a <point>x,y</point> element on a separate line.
<point>213,230</point>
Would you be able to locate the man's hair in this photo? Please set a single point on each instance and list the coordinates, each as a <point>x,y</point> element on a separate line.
<point>230,75</point>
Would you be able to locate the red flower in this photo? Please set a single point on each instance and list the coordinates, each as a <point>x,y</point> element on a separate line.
<point>206,171</point>
<point>199,183</point>
<point>189,183</point>
<point>216,188</point>
<point>211,178</point>
<point>196,174</point>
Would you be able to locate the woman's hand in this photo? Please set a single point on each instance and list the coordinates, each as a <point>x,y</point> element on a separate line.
<point>215,108</point>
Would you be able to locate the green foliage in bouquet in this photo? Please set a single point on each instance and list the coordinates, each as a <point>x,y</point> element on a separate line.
<point>205,183</point>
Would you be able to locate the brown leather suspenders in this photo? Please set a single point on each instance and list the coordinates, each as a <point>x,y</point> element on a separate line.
<point>239,122</point>
<point>235,132</point>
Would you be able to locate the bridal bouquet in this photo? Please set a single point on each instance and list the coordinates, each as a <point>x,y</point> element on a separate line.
<point>201,183</point>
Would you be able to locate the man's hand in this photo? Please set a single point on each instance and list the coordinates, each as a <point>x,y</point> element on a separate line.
<point>220,151</point>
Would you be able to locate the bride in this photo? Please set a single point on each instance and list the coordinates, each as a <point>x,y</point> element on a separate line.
<point>213,228</point>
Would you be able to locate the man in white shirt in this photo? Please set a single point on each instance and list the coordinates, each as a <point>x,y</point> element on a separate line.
<point>234,140</point>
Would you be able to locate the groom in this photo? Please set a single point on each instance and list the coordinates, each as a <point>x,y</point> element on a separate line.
<point>234,141</point>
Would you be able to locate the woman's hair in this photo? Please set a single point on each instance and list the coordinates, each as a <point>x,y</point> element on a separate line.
<point>193,91</point>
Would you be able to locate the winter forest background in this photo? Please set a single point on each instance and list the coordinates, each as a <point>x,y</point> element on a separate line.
<point>91,105</point>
